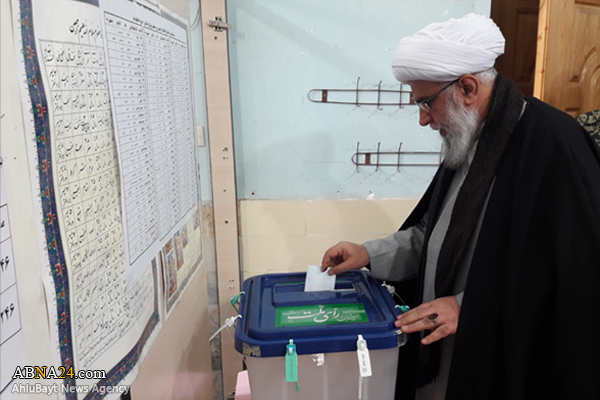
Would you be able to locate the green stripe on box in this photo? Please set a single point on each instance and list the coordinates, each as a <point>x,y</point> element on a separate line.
<point>320,314</point>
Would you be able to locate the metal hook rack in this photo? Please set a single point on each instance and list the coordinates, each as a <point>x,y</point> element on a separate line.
<point>373,158</point>
<point>404,97</point>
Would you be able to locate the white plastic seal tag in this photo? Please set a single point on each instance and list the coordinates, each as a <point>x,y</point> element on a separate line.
<point>364,363</point>
<point>229,322</point>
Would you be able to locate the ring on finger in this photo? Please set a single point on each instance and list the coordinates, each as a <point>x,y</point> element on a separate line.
<point>433,318</point>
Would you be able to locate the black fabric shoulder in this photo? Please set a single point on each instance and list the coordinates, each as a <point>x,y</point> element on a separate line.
<point>535,270</point>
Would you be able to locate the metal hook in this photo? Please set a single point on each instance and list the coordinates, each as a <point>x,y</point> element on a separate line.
<point>357,153</point>
<point>357,96</point>
<point>370,158</point>
<point>400,101</point>
<point>399,149</point>
<point>358,80</point>
<point>378,153</point>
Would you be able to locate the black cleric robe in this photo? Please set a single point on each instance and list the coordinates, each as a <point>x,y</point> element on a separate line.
<point>528,323</point>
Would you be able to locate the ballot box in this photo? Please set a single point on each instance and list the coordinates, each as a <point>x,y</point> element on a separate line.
<point>333,345</point>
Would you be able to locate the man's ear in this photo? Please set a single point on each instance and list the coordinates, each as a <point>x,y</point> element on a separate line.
<point>469,89</point>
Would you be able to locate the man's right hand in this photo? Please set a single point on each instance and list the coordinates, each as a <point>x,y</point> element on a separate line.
<point>345,256</point>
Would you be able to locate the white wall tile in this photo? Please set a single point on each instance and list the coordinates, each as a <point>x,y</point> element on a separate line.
<point>286,236</point>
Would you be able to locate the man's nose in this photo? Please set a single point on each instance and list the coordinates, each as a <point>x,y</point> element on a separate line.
<point>424,117</point>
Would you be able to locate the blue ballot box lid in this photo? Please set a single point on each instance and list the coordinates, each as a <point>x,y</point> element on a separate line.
<point>275,309</point>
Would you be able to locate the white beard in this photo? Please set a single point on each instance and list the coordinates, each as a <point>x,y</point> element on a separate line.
<point>462,129</point>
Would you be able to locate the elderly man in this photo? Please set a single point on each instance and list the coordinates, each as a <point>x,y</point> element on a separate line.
<point>504,244</point>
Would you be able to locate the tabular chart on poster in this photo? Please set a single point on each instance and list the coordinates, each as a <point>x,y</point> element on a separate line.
<point>87,189</point>
<point>12,352</point>
<point>98,319</point>
<point>148,63</point>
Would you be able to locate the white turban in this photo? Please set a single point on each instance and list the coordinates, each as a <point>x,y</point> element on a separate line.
<point>445,51</point>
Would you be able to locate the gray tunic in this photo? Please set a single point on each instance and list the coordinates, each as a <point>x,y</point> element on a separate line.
<point>397,257</point>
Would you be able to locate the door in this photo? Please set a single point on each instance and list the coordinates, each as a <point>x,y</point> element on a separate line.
<point>567,73</point>
<point>518,21</point>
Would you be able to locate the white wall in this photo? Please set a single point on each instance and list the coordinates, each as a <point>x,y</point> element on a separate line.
<point>298,191</point>
<point>289,235</point>
<point>288,147</point>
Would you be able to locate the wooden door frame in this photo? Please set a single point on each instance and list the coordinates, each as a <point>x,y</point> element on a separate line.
<point>218,104</point>
<point>542,47</point>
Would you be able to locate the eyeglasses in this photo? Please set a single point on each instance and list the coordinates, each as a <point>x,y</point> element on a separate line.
<point>425,105</point>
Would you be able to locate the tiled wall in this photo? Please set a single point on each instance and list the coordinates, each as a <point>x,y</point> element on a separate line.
<point>288,235</point>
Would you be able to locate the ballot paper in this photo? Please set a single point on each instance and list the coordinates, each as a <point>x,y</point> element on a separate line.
<point>317,280</point>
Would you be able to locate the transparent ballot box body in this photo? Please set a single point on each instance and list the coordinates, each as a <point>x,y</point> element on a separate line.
<point>323,326</point>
